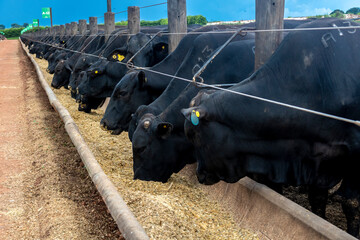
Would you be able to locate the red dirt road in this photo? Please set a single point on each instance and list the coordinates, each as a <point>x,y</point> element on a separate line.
<point>12,128</point>
<point>45,191</point>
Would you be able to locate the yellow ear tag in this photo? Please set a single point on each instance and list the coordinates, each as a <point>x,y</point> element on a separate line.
<point>96,72</point>
<point>114,56</point>
<point>164,126</point>
<point>145,79</point>
<point>197,113</point>
<point>120,57</point>
<point>163,47</point>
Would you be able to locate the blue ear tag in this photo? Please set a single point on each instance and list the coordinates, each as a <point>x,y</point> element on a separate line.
<point>195,117</point>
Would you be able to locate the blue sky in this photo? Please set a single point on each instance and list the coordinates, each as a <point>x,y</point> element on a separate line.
<point>65,11</point>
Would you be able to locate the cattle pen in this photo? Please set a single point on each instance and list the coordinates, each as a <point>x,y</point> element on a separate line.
<point>253,204</point>
<point>181,208</point>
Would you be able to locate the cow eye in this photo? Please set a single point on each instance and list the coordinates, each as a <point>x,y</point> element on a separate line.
<point>121,94</point>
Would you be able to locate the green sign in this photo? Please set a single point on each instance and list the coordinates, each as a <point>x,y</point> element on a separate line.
<point>35,22</point>
<point>2,33</point>
<point>45,12</point>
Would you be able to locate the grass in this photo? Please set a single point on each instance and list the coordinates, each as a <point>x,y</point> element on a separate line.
<point>13,38</point>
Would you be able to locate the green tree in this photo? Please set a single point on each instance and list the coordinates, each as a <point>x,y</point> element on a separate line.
<point>354,10</point>
<point>337,13</point>
<point>25,24</point>
<point>163,21</point>
<point>2,26</point>
<point>198,19</point>
<point>15,25</point>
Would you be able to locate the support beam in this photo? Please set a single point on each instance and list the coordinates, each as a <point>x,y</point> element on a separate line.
<point>134,19</point>
<point>109,24</point>
<point>269,15</point>
<point>82,27</point>
<point>177,22</point>
<point>93,25</point>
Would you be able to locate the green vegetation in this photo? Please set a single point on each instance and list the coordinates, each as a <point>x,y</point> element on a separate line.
<point>16,32</point>
<point>354,10</point>
<point>13,38</point>
<point>198,19</point>
<point>338,13</point>
<point>15,25</point>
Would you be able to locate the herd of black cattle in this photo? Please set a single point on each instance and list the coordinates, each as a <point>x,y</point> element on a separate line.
<point>172,122</point>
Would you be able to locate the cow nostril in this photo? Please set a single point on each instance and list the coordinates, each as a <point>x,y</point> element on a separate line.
<point>201,177</point>
<point>103,125</point>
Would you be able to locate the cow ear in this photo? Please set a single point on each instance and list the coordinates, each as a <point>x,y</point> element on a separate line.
<point>161,47</point>
<point>67,66</point>
<point>194,114</point>
<point>142,79</point>
<point>164,129</point>
<point>117,55</point>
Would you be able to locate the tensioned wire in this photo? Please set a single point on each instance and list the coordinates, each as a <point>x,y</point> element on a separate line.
<point>356,122</point>
<point>153,5</point>
<point>222,32</point>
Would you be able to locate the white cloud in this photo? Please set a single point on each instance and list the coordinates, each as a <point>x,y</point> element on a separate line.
<point>307,12</point>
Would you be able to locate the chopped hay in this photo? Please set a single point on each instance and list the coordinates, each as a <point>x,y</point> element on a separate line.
<point>177,209</point>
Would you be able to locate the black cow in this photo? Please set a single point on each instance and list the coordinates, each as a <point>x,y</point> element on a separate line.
<point>173,91</point>
<point>54,59</point>
<point>142,87</point>
<point>165,131</point>
<point>104,75</point>
<point>90,45</point>
<point>235,136</point>
<point>200,51</point>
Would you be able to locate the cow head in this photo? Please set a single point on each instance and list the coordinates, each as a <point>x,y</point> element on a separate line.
<point>155,157</point>
<point>61,75</point>
<point>54,60</point>
<point>152,54</point>
<point>131,92</point>
<point>88,103</point>
<point>97,80</point>
<point>79,73</point>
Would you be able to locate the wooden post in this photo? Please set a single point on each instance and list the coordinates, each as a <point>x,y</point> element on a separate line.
<point>53,32</point>
<point>67,29</point>
<point>82,27</point>
<point>109,5</point>
<point>269,15</point>
<point>177,22</point>
<point>93,25</point>
<point>74,28</point>
<point>134,19</point>
<point>61,30</point>
<point>109,24</point>
<point>51,17</point>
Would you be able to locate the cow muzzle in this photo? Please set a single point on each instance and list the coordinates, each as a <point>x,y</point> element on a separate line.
<point>206,178</point>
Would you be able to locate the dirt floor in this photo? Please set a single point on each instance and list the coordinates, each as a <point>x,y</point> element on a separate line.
<point>45,191</point>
